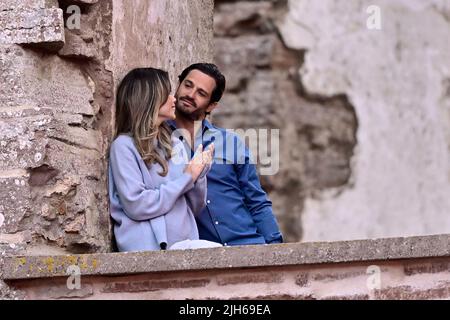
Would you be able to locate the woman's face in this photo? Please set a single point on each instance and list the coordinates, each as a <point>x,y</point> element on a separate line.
<point>167,110</point>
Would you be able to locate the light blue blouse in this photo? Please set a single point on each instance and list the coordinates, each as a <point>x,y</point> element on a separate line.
<point>148,209</point>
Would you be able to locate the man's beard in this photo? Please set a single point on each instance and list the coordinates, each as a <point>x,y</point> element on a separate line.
<point>195,115</point>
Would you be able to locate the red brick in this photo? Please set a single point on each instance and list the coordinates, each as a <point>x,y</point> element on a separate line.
<point>277,297</point>
<point>153,285</point>
<point>337,275</point>
<point>249,278</point>
<point>350,297</point>
<point>302,280</point>
<point>433,267</point>
<point>410,293</point>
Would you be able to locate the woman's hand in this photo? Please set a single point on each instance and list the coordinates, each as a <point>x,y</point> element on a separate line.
<point>199,161</point>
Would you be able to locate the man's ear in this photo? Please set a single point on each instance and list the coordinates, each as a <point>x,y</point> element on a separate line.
<point>211,107</point>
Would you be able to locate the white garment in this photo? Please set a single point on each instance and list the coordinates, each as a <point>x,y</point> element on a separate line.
<point>194,244</point>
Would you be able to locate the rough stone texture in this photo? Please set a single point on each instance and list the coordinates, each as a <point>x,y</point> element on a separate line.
<point>242,17</point>
<point>397,79</point>
<point>80,2</point>
<point>25,71</point>
<point>401,268</point>
<point>317,134</point>
<point>77,46</point>
<point>242,56</point>
<point>56,110</point>
<point>230,258</point>
<point>11,5</point>
<point>34,24</point>
<point>56,113</point>
<point>182,35</point>
<point>6,292</point>
<point>16,195</point>
<point>52,150</point>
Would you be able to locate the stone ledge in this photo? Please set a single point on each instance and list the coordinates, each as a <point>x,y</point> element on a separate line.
<point>41,27</point>
<point>292,254</point>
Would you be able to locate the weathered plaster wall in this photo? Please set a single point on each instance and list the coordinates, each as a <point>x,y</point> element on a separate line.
<point>317,134</point>
<point>397,79</point>
<point>364,115</point>
<point>163,34</point>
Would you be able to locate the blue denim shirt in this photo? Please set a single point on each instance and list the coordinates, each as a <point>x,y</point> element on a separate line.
<point>238,211</point>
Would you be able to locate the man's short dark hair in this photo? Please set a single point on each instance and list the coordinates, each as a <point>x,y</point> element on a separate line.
<point>211,70</point>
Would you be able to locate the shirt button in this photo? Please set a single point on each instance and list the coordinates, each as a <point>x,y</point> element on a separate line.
<point>217,222</point>
<point>225,244</point>
<point>208,202</point>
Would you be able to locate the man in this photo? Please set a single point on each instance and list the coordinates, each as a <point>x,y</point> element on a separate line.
<point>238,211</point>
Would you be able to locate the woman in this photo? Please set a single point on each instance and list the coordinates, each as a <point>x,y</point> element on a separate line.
<point>154,192</point>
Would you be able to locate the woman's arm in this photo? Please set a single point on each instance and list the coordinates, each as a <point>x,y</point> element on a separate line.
<point>196,197</point>
<point>159,228</point>
<point>138,202</point>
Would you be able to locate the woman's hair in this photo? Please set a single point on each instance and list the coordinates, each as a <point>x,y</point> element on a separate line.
<point>139,97</point>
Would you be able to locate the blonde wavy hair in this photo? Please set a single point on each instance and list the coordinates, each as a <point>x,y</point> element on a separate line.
<point>139,97</point>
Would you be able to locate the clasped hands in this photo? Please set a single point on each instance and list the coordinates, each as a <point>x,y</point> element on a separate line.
<point>201,159</point>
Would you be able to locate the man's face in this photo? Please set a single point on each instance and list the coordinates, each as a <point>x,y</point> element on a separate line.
<point>194,94</point>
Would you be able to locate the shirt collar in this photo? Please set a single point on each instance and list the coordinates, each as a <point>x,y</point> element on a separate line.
<point>206,125</point>
<point>172,124</point>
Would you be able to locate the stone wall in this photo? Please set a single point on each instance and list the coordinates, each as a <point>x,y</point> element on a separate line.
<point>365,141</point>
<point>397,81</point>
<point>400,268</point>
<point>54,108</point>
<point>163,34</point>
<point>57,85</point>
<point>57,108</point>
<point>364,114</point>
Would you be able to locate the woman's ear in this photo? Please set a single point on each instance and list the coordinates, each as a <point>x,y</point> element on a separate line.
<point>211,107</point>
